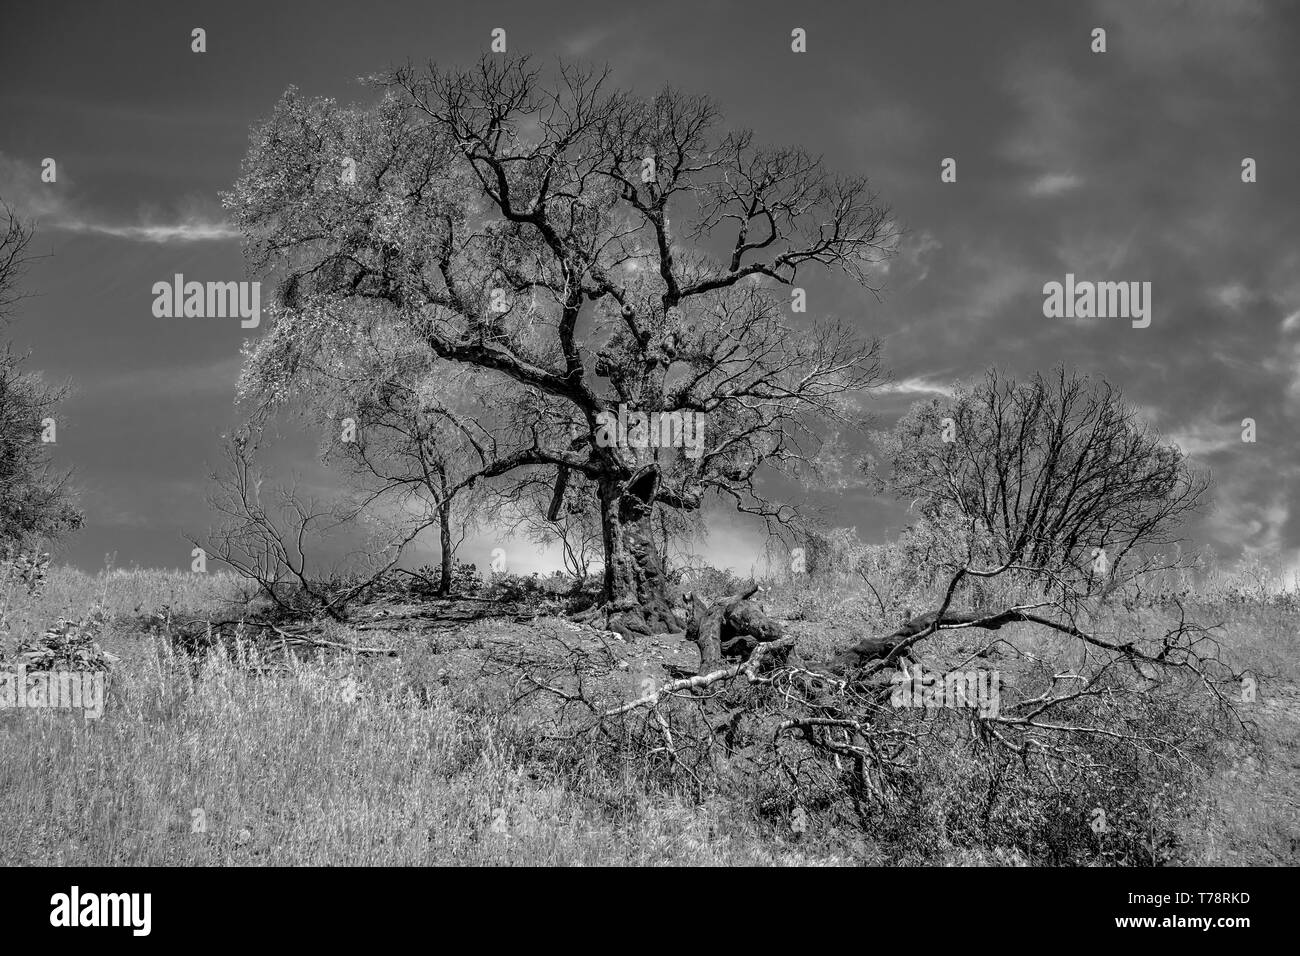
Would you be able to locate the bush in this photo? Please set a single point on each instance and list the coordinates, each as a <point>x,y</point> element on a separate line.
<point>69,645</point>
<point>465,578</point>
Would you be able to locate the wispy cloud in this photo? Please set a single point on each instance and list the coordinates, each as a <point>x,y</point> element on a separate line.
<point>586,42</point>
<point>1233,295</point>
<point>916,385</point>
<point>191,230</point>
<point>218,376</point>
<point>54,206</point>
<point>1054,184</point>
<point>1206,440</point>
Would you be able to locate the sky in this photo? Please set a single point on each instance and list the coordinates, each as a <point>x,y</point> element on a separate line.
<point>1122,165</point>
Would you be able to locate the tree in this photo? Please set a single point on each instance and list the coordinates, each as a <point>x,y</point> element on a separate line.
<point>1055,476</point>
<point>36,500</point>
<point>408,426</point>
<point>525,230</point>
<point>277,539</point>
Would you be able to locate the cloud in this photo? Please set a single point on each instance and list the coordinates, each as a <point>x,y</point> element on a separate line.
<point>915,255</point>
<point>916,385</point>
<point>582,44</point>
<point>53,206</point>
<point>1254,523</point>
<point>1233,296</point>
<point>1206,439</point>
<point>191,230</point>
<point>1053,184</point>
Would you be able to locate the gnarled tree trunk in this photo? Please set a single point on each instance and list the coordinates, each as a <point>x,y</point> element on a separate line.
<point>636,589</point>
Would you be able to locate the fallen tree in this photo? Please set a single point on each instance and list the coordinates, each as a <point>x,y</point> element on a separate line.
<point>1103,704</point>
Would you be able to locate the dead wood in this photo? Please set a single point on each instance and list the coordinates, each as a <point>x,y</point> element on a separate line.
<point>895,645</point>
<point>732,627</point>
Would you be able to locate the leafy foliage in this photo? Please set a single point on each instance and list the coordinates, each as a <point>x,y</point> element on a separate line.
<point>36,502</point>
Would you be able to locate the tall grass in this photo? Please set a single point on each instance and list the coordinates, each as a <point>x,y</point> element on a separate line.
<point>227,765</point>
<point>227,760</point>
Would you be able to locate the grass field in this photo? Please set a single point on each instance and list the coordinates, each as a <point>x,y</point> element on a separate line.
<point>416,757</point>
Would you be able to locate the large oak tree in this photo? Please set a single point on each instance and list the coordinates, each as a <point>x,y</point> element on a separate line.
<point>578,248</point>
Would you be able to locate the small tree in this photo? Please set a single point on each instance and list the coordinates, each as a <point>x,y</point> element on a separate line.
<point>409,427</point>
<point>570,519</point>
<point>1055,476</point>
<point>36,500</point>
<point>277,537</point>
<point>1049,706</point>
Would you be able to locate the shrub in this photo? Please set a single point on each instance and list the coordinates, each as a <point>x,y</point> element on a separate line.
<point>69,645</point>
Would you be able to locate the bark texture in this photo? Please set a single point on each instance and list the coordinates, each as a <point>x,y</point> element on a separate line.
<point>635,585</point>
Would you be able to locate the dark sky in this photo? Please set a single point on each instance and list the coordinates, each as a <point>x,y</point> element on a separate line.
<point>1123,165</point>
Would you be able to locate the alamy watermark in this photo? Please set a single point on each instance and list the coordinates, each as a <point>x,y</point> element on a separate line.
<point>1098,300</point>
<point>683,430</point>
<point>75,908</point>
<point>53,690</point>
<point>208,300</point>
<point>952,690</point>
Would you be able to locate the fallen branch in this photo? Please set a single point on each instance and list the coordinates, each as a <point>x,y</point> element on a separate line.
<point>321,642</point>
<point>748,667</point>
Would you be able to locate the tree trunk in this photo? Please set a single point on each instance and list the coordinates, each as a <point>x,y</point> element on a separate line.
<point>444,528</point>
<point>636,593</point>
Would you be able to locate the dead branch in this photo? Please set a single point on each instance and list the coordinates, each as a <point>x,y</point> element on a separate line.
<point>749,668</point>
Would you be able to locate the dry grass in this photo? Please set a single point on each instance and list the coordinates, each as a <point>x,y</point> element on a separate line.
<point>409,760</point>
<point>308,767</point>
<point>123,593</point>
